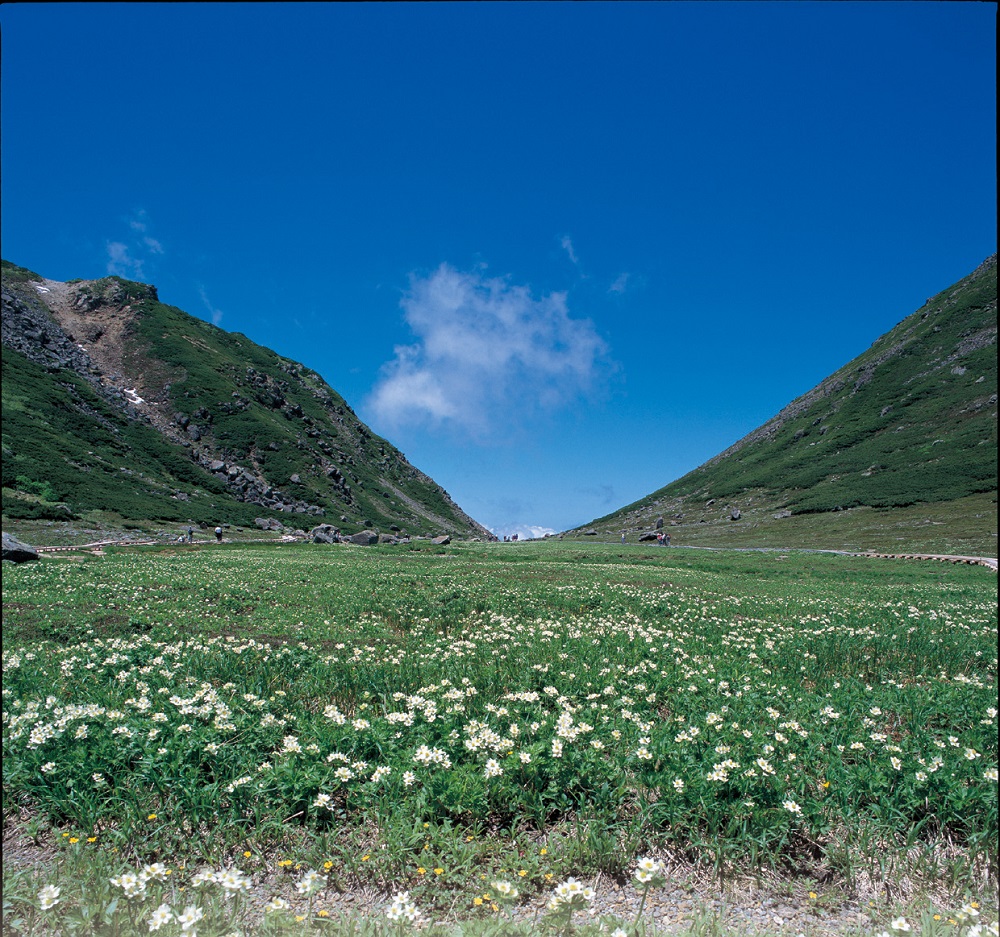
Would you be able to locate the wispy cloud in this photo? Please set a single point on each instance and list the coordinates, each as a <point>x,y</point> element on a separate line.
<point>566,243</point>
<point>620,284</point>
<point>121,263</point>
<point>488,354</point>
<point>128,257</point>
<point>216,314</point>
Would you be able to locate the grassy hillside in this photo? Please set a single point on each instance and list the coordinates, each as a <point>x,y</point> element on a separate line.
<point>902,430</point>
<point>116,401</point>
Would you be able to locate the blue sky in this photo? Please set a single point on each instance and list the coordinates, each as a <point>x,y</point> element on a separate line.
<point>559,254</point>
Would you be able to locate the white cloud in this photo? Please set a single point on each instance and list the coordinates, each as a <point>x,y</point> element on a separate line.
<point>620,284</point>
<point>127,258</point>
<point>487,355</point>
<point>216,314</point>
<point>567,245</point>
<point>121,263</point>
<point>523,531</point>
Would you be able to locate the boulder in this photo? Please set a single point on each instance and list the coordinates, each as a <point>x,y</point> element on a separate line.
<point>324,533</point>
<point>365,538</point>
<point>216,465</point>
<point>294,479</point>
<point>442,541</point>
<point>734,514</point>
<point>649,535</point>
<point>782,514</point>
<point>387,538</point>
<point>590,533</point>
<point>659,523</point>
<point>17,552</point>
<point>262,522</point>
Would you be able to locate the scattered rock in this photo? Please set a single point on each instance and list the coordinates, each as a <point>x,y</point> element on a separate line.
<point>324,533</point>
<point>365,538</point>
<point>781,514</point>
<point>387,538</point>
<point>16,552</point>
<point>734,514</point>
<point>442,541</point>
<point>590,532</point>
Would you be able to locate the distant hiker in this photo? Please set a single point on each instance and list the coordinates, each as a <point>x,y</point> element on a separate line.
<point>659,540</point>
<point>190,535</point>
<point>218,534</point>
<point>667,538</point>
<point>623,536</point>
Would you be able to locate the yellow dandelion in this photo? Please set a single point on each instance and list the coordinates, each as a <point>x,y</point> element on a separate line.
<point>328,865</point>
<point>421,870</point>
<point>91,839</point>
<point>247,854</point>
<point>74,839</point>
<point>523,872</point>
<point>152,816</point>
<point>365,858</point>
<point>813,895</point>
<point>323,913</point>
<point>543,851</point>
<point>439,871</point>
<point>477,901</point>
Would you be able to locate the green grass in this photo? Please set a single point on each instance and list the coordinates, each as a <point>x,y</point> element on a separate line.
<point>491,710</point>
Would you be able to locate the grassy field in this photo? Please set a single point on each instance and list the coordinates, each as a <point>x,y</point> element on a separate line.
<point>281,726</point>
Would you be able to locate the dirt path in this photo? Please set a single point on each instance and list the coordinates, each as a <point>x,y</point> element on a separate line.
<point>990,562</point>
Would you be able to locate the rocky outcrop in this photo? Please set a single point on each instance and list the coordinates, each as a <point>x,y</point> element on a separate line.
<point>324,533</point>
<point>16,552</point>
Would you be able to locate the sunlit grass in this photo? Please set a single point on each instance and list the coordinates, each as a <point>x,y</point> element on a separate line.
<point>428,721</point>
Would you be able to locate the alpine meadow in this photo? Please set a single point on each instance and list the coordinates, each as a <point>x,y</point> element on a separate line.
<point>499,469</point>
<point>298,735</point>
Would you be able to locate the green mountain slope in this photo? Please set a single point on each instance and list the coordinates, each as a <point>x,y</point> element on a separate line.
<point>899,438</point>
<point>114,401</point>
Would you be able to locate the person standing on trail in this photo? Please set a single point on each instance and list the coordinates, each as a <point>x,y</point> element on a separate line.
<point>623,536</point>
<point>667,539</point>
<point>190,535</point>
<point>218,534</point>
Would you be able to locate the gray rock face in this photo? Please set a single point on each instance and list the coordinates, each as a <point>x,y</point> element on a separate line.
<point>17,552</point>
<point>442,541</point>
<point>365,538</point>
<point>324,533</point>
